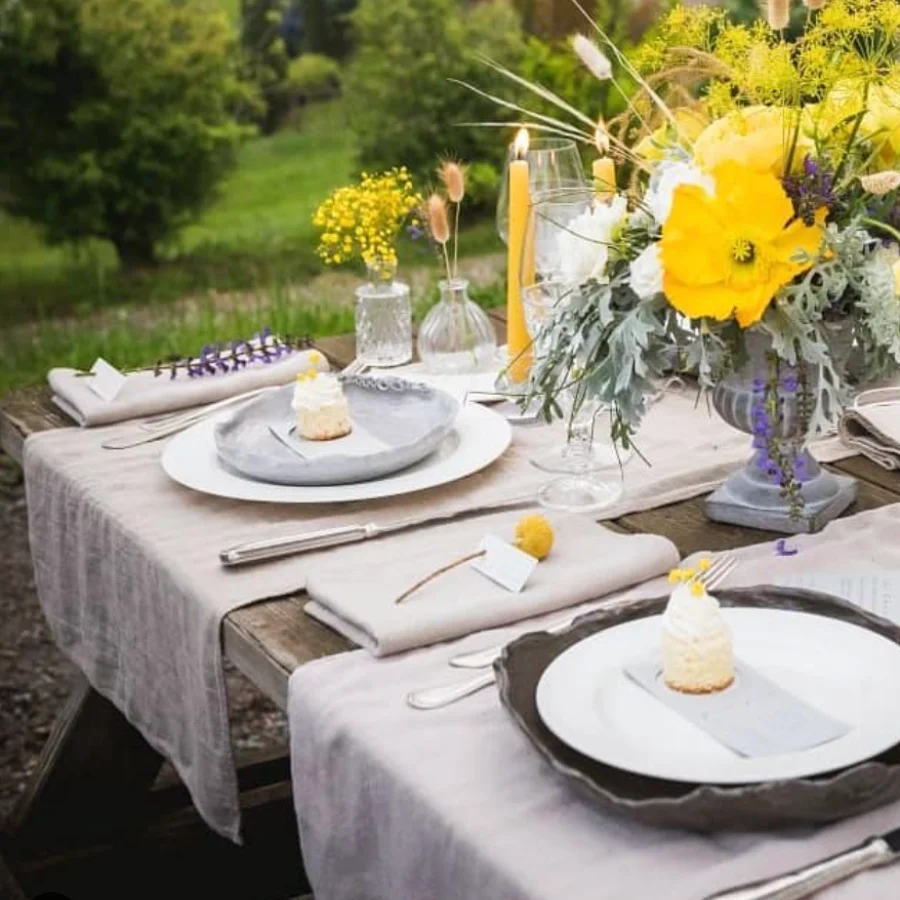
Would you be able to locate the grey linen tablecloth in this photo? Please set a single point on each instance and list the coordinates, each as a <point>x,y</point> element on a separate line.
<point>127,570</point>
<point>398,804</point>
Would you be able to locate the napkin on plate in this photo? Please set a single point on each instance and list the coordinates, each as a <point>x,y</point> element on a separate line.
<point>145,394</point>
<point>872,426</point>
<point>353,590</point>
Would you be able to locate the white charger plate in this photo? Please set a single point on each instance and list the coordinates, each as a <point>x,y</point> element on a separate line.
<point>478,438</point>
<point>587,701</point>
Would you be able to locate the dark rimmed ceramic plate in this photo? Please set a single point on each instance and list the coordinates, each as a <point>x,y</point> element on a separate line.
<point>404,421</point>
<point>703,807</point>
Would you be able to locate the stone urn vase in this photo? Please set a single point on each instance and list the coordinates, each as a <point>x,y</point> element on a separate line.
<point>782,488</point>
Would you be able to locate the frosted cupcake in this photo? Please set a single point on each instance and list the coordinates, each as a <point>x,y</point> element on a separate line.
<point>321,408</point>
<point>697,648</point>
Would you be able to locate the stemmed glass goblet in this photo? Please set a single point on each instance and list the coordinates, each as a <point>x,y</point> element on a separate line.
<point>577,489</point>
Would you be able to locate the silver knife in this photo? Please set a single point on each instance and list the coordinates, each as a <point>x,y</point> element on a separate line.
<point>305,541</point>
<point>874,852</point>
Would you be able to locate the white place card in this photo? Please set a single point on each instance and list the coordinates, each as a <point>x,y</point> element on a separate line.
<point>359,442</point>
<point>753,717</point>
<point>106,380</point>
<point>875,592</point>
<point>504,564</point>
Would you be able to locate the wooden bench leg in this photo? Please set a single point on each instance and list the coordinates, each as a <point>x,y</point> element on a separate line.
<point>93,778</point>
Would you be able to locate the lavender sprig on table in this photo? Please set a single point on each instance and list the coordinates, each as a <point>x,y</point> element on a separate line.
<point>214,359</point>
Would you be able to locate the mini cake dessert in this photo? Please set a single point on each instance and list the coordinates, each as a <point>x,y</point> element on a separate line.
<point>321,407</point>
<point>697,649</point>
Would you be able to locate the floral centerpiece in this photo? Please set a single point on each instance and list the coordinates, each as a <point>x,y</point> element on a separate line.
<point>756,243</point>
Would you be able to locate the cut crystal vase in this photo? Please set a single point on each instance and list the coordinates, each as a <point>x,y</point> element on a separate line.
<point>770,402</point>
<point>383,319</point>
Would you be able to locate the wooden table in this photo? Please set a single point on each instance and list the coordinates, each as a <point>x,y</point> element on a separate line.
<point>95,760</point>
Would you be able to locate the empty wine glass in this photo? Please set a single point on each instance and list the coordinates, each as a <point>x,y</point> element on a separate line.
<point>556,242</point>
<point>553,164</point>
<point>578,489</point>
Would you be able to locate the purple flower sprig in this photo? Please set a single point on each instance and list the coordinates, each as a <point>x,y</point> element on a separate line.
<point>214,359</point>
<point>778,458</point>
<point>810,190</point>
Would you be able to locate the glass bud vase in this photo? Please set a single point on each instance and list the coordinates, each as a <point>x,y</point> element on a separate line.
<point>383,319</point>
<point>457,337</point>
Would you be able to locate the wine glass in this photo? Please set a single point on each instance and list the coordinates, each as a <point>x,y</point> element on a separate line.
<point>553,164</point>
<point>577,489</point>
<point>554,223</point>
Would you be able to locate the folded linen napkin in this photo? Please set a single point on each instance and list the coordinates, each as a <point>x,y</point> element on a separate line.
<point>145,394</point>
<point>355,592</point>
<point>871,425</point>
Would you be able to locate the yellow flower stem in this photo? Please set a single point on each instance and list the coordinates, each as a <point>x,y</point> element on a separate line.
<point>429,578</point>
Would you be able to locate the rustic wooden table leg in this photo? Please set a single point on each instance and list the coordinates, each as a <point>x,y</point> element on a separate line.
<point>93,778</point>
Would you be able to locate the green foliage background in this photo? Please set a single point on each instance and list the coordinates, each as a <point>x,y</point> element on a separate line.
<point>117,120</point>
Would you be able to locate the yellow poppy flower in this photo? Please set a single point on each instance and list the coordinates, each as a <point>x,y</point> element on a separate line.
<point>758,137</point>
<point>731,253</point>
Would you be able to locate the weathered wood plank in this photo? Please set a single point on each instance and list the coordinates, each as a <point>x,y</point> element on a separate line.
<point>268,640</point>
<point>686,525</point>
<point>93,777</point>
<point>27,412</point>
<point>867,471</point>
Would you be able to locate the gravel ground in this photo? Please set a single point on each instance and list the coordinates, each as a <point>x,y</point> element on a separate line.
<point>35,677</point>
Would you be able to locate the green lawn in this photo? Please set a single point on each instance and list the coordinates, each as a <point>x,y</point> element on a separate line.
<point>258,230</point>
<point>61,307</point>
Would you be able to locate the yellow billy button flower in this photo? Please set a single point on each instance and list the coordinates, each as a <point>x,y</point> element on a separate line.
<point>731,252</point>
<point>534,536</point>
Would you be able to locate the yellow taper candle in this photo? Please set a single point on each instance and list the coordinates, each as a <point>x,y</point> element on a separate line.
<point>517,339</point>
<point>603,169</point>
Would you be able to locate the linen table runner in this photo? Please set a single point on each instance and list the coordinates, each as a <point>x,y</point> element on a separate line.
<point>398,803</point>
<point>127,568</point>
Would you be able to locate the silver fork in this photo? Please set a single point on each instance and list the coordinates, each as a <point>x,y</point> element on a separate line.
<point>434,698</point>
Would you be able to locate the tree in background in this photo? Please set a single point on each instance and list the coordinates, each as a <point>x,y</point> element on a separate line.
<point>403,107</point>
<point>267,57</point>
<point>116,119</point>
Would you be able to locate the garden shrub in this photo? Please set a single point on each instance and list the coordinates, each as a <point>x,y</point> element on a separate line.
<point>313,77</point>
<point>117,119</point>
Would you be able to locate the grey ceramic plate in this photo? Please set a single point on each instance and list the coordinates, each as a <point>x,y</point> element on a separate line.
<point>406,420</point>
<point>700,807</point>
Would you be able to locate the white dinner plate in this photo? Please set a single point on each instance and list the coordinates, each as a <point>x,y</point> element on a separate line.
<point>478,438</point>
<point>587,701</point>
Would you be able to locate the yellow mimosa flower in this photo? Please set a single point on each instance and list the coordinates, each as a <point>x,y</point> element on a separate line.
<point>729,254</point>
<point>758,137</point>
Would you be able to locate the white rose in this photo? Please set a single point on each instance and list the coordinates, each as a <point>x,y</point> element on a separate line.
<point>646,273</point>
<point>583,247</point>
<point>669,176</point>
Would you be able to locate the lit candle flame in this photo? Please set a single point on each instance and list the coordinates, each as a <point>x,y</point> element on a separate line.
<point>520,145</point>
<point>601,137</point>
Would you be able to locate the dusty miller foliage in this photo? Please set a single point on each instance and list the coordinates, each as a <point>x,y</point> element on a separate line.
<point>605,343</point>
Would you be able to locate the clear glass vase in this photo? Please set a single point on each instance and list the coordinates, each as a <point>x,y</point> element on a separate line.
<point>383,319</point>
<point>457,337</point>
